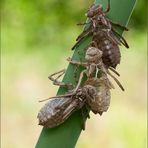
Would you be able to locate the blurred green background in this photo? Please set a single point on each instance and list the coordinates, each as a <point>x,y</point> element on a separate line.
<point>36,39</point>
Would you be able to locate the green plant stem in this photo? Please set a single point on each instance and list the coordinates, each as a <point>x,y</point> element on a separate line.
<point>67,134</point>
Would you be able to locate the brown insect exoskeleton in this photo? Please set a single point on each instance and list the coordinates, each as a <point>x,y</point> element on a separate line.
<point>59,108</point>
<point>94,94</point>
<point>101,99</point>
<point>106,37</point>
<point>94,63</point>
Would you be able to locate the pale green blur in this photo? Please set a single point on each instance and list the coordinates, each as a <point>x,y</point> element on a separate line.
<point>36,41</point>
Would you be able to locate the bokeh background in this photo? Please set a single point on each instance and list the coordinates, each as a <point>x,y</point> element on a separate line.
<point>36,39</point>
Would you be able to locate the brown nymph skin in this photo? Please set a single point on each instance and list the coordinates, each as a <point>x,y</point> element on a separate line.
<point>105,36</point>
<point>95,93</point>
<point>101,101</point>
<point>59,108</point>
<point>93,63</point>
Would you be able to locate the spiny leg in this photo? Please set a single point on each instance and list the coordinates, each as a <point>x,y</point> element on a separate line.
<point>59,83</point>
<point>116,80</point>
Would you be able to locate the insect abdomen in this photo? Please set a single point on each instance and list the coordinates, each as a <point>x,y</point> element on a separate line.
<point>111,52</point>
<point>51,114</point>
<point>56,111</point>
<point>101,99</point>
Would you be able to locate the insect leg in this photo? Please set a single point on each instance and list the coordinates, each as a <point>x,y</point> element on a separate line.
<point>113,70</point>
<point>116,80</point>
<point>66,96</point>
<point>110,35</point>
<point>122,40</point>
<point>61,72</point>
<point>83,34</point>
<point>80,80</point>
<point>59,83</point>
<point>76,62</point>
<point>119,25</point>
<point>80,38</point>
<point>108,7</point>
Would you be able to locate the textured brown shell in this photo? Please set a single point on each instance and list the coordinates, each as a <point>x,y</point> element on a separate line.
<point>111,52</point>
<point>101,99</point>
<point>57,110</point>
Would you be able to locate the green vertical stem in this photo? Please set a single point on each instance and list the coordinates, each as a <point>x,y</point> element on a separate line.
<point>67,134</point>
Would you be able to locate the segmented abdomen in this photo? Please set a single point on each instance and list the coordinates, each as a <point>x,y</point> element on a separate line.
<point>111,52</point>
<point>56,111</point>
<point>101,98</point>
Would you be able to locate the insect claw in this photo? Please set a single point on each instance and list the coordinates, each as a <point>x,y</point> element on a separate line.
<point>100,113</point>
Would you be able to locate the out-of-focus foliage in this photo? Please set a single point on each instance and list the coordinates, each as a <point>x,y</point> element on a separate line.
<point>37,18</point>
<point>139,17</point>
<point>36,40</point>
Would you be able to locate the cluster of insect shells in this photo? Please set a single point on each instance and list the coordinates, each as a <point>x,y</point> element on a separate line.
<point>101,55</point>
